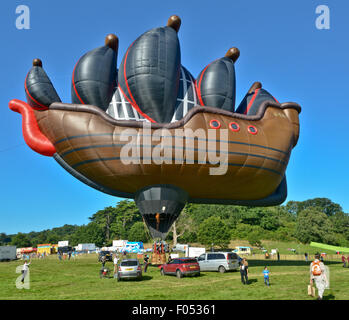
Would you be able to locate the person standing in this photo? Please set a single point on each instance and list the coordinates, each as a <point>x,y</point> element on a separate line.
<point>348,260</point>
<point>25,269</point>
<point>103,260</point>
<point>116,261</point>
<point>318,275</point>
<point>306,256</point>
<point>266,273</point>
<point>343,260</point>
<point>244,271</point>
<point>146,262</point>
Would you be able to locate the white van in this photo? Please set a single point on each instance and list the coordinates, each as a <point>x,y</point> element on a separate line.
<point>219,261</point>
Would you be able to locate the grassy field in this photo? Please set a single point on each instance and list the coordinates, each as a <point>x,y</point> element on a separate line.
<point>79,279</point>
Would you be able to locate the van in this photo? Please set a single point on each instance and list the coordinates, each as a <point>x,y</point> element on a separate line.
<point>219,261</point>
<point>242,250</point>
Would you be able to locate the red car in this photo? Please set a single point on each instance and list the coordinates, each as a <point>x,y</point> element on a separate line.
<point>181,267</point>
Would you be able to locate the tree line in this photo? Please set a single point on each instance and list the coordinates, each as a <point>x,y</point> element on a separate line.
<point>318,219</point>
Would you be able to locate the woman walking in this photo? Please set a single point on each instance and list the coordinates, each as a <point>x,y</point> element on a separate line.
<point>244,271</point>
<point>319,276</point>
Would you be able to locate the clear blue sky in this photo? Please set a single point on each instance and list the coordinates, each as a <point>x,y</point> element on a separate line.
<point>280,46</point>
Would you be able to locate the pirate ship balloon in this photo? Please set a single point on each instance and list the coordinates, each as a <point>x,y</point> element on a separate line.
<point>150,132</point>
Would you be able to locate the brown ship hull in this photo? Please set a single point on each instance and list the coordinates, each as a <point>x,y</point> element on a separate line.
<point>89,145</point>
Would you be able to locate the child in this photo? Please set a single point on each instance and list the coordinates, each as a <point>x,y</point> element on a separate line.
<point>266,276</point>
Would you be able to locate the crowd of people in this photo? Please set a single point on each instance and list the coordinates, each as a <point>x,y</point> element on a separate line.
<point>319,273</point>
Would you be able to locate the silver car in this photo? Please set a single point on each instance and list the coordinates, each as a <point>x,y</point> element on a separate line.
<point>218,261</point>
<point>129,268</point>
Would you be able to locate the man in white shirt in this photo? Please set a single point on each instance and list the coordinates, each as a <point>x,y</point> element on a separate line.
<point>25,270</point>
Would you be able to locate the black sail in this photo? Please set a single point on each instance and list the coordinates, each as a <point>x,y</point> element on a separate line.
<point>39,88</point>
<point>149,74</point>
<point>253,100</point>
<point>94,78</point>
<point>216,85</point>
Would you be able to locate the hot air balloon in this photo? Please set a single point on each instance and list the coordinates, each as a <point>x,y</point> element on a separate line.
<point>150,132</point>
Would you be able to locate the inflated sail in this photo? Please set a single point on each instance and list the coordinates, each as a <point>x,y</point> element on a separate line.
<point>216,83</point>
<point>251,103</point>
<point>39,88</point>
<point>149,73</point>
<point>94,76</point>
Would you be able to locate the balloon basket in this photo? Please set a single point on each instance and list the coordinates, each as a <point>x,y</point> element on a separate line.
<point>158,258</point>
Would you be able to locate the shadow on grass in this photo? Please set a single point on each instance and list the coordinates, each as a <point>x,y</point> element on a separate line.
<point>328,297</point>
<point>286,263</point>
<point>251,281</point>
<point>144,278</point>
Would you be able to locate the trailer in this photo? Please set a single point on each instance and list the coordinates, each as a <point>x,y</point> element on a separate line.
<point>86,247</point>
<point>119,244</point>
<point>133,247</point>
<point>64,243</point>
<point>194,252</point>
<point>8,253</point>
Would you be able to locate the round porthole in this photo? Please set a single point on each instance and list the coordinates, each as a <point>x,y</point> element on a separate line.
<point>233,126</point>
<point>215,124</point>
<point>252,129</point>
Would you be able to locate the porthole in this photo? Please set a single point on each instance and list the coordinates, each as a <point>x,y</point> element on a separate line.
<point>233,126</point>
<point>215,124</point>
<point>252,129</point>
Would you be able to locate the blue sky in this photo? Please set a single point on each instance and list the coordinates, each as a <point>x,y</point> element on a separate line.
<point>280,46</point>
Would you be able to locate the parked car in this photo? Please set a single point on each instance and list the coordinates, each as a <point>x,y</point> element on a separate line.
<point>107,254</point>
<point>181,267</point>
<point>129,268</point>
<point>219,261</point>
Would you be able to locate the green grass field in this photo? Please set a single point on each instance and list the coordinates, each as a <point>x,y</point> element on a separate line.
<point>79,279</point>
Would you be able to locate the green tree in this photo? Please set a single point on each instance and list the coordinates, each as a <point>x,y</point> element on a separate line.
<point>126,214</point>
<point>183,225</point>
<point>4,238</point>
<point>324,205</point>
<point>313,225</point>
<point>90,233</point>
<point>138,233</point>
<point>254,239</point>
<point>242,231</point>
<point>270,222</point>
<point>21,240</point>
<point>253,216</point>
<point>214,231</point>
<point>104,219</point>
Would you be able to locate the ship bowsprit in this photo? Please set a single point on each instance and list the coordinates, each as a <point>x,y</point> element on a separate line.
<point>160,206</point>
